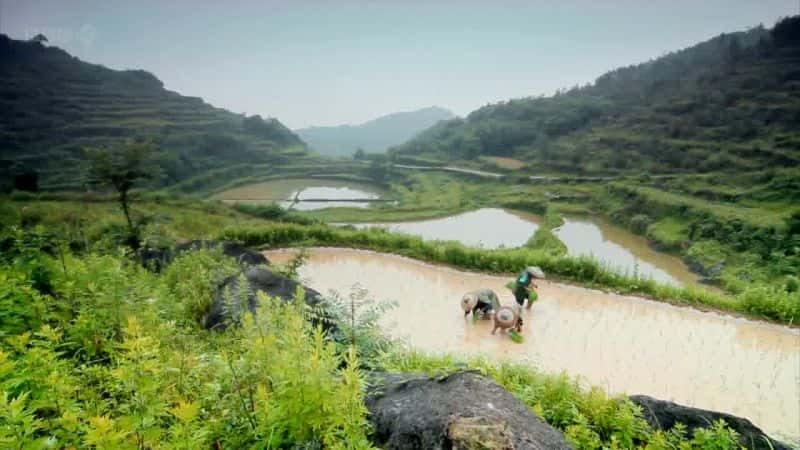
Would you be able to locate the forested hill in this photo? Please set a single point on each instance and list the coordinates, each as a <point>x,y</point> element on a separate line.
<point>374,136</point>
<point>730,103</point>
<point>52,105</point>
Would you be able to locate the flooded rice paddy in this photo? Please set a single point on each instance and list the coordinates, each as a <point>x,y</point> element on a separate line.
<point>304,194</point>
<point>494,228</point>
<point>621,343</point>
<point>622,250</point>
<point>487,228</point>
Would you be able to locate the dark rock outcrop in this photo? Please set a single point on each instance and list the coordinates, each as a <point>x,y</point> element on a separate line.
<point>233,249</point>
<point>463,410</point>
<point>155,258</point>
<point>709,271</point>
<point>663,415</point>
<point>227,299</point>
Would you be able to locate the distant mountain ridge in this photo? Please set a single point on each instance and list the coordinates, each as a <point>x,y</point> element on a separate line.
<point>730,103</point>
<point>52,105</point>
<point>376,135</point>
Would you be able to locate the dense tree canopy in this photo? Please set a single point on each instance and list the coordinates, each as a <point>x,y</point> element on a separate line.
<point>732,102</point>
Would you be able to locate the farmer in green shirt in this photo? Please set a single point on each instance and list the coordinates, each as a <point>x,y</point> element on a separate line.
<point>522,285</point>
<point>480,301</point>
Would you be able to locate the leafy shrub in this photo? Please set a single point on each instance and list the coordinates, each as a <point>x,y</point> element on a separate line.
<point>108,235</point>
<point>271,211</point>
<point>639,223</point>
<point>22,307</point>
<point>9,214</point>
<point>356,326</point>
<point>589,418</point>
<point>705,254</point>
<point>28,251</point>
<point>95,295</point>
<point>192,279</point>
<point>792,284</point>
<point>117,367</point>
<point>772,302</point>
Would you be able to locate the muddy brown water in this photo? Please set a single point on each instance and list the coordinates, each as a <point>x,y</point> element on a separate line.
<point>622,250</point>
<point>621,343</point>
<point>285,192</point>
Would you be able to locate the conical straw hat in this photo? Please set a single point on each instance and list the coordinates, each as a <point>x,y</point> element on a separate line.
<point>505,316</point>
<point>536,272</point>
<point>469,301</point>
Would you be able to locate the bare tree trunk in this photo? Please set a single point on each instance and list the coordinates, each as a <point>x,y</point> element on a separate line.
<point>123,199</point>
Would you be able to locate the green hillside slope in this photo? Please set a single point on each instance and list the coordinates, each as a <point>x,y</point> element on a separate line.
<point>52,105</point>
<point>730,103</point>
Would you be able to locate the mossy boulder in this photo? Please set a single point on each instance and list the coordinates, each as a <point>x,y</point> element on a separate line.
<point>239,293</point>
<point>157,258</point>
<point>463,410</point>
<point>664,415</point>
<point>233,249</point>
<point>706,258</point>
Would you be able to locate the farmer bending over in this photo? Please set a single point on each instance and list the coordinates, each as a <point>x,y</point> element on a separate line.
<point>508,317</point>
<point>480,301</point>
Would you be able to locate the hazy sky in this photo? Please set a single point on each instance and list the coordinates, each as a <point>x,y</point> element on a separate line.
<point>336,61</point>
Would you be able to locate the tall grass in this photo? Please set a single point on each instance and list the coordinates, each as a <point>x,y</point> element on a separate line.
<point>111,355</point>
<point>544,239</point>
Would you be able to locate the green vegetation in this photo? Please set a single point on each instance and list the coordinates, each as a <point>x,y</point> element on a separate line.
<point>115,361</point>
<point>775,303</point>
<point>727,104</point>
<point>419,196</point>
<point>736,244</point>
<point>172,220</point>
<point>696,150</point>
<point>424,195</point>
<point>742,240</point>
<point>122,169</point>
<point>271,211</point>
<point>52,105</point>
<point>96,351</point>
<point>544,239</point>
<point>589,418</point>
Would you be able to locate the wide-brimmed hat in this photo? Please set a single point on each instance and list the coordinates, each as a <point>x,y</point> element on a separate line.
<point>505,316</point>
<point>469,301</point>
<point>535,272</point>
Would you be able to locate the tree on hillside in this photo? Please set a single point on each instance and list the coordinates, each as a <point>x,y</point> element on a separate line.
<point>787,31</point>
<point>39,38</point>
<point>380,168</point>
<point>359,154</point>
<point>122,169</point>
<point>24,178</point>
